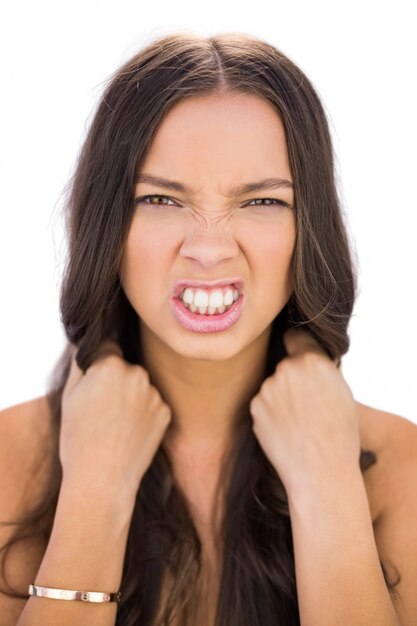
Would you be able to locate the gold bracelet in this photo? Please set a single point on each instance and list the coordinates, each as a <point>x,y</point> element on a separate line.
<point>69,594</point>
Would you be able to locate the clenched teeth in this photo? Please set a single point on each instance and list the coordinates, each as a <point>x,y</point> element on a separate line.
<point>211,302</point>
<point>208,310</point>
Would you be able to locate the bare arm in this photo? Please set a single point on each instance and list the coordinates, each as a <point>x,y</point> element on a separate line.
<point>85,552</point>
<point>339,577</point>
<point>306,419</point>
<point>112,423</point>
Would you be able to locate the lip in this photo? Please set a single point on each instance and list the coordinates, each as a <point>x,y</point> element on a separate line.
<point>179,285</point>
<point>206,323</point>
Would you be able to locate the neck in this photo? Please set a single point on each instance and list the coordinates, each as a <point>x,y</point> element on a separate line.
<point>209,399</point>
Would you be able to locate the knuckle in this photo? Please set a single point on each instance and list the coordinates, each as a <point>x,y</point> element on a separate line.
<point>315,356</point>
<point>113,359</point>
<point>153,396</point>
<point>105,365</point>
<point>108,361</point>
<point>163,410</point>
<point>314,359</point>
<point>142,374</point>
<point>284,367</point>
<point>166,414</point>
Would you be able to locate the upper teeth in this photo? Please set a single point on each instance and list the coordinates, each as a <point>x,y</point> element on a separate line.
<point>214,298</point>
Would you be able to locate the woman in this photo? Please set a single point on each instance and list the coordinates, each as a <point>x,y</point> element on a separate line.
<point>199,450</point>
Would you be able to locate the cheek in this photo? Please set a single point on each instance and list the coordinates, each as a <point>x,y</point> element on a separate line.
<point>272,257</point>
<point>280,245</point>
<point>274,246</point>
<point>131,257</point>
<point>143,250</point>
<point>138,260</point>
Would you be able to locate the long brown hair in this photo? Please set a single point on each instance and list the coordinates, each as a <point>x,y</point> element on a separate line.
<point>258,584</point>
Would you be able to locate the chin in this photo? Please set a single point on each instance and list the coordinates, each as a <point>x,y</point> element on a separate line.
<point>191,350</point>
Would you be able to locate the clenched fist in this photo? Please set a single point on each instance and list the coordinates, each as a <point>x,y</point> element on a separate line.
<point>113,421</point>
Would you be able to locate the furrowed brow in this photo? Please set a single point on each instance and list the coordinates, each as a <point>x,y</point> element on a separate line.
<point>268,183</point>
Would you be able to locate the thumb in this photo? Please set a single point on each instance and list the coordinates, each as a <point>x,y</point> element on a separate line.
<point>75,372</point>
<point>108,347</point>
<point>297,341</point>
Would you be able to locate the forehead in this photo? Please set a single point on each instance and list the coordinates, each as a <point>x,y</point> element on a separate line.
<point>224,138</point>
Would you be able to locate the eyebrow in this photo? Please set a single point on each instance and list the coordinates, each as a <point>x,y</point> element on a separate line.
<point>267,183</point>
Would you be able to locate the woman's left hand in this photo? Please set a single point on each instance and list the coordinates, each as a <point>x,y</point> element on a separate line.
<point>304,415</point>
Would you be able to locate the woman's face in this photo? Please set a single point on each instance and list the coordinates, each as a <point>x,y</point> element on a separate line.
<point>208,231</point>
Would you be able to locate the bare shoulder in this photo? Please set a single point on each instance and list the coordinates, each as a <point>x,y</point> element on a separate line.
<point>392,436</point>
<point>24,440</point>
<point>24,454</point>
<point>384,423</point>
<point>21,418</point>
<point>394,440</point>
<point>393,487</point>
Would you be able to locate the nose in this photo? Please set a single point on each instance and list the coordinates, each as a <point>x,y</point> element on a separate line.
<point>209,245</point>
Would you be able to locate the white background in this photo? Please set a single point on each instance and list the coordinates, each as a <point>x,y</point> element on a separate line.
<point>360,56</point>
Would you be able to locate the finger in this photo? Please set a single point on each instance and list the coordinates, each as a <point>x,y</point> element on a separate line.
<point>108,347</point>
<point>298,341</point>
<point>75,372</point>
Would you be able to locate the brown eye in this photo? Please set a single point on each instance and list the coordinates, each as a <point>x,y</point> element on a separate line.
<point>142,199</point>
<point>270,201</point>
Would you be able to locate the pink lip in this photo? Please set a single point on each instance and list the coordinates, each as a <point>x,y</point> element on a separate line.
<point>179,285</point>
<point>206,323</point>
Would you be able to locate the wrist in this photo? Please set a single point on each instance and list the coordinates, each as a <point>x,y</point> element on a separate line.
<point>111,502</point>
<point>309,487</point>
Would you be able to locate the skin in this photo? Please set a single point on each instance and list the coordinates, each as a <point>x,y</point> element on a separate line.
<point>208,379</point>
<point>306,418</point>
<point>303,415</point>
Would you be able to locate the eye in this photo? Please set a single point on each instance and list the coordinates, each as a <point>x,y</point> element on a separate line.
<point>142,199</point>
<point>270,201</point>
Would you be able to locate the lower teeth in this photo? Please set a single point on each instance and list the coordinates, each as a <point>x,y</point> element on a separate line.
<point>207,310</point>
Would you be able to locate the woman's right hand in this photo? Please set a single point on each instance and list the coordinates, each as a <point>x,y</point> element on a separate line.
<point>112,422</point>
